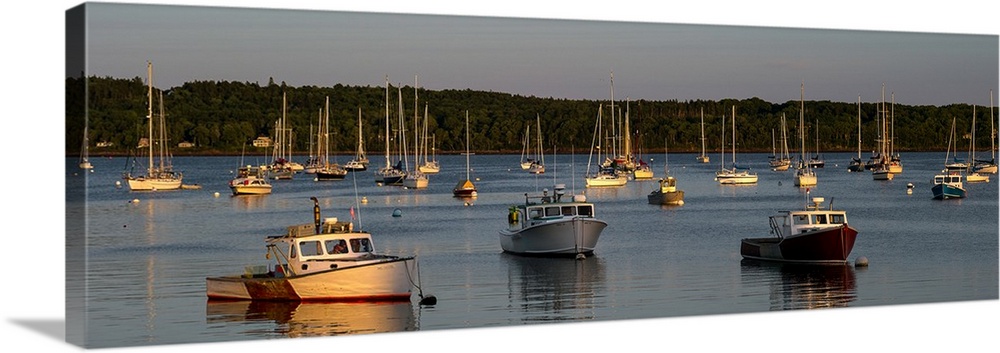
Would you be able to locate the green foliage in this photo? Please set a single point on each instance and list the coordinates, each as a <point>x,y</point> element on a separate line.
<point>223,117</point>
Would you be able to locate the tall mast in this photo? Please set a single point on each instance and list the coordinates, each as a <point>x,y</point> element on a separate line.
<point>702,131</point>
<point>627,131</point>
<point>416,146</point>
<point>993,131</point>
<point>734,137</point>
<point>859,127</point>
<point>149,117</point>
<point>361,143</point>
<point>892,124</point>
<point>614,150</point>
<point>467,145</point>
<point>722,140</point>
<point>326,133</point>
<point>402,128</point>
<point>802,136</point>
<point>388,164</point>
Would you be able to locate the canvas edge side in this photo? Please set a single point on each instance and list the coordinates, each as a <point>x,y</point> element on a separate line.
<point>76,198</point>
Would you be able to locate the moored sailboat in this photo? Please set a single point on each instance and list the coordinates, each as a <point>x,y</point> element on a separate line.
<point>703,158</point>
<point>360,161</point>
<point>465,188</point>
<point>734,175</point>
<point>804,175</point>
<point>159,172</point>
<point>328,171</point>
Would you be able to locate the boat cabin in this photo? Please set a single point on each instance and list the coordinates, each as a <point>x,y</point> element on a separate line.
<point>543,209</point>
<point>303,250</point>
<point>950,179</point>
<point>789,223</point>
<point>668,185</point>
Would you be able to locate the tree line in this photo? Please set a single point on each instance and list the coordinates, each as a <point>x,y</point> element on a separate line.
<point>221,117</point>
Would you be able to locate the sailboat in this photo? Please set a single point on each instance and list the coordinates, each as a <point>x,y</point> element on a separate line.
<point>856,164</point>
<point>526,158</point>
<point>538,164</point>
<point>880,160</point>
<point>895,163</point>
<point>956,163</point>
<point>85,151</point>
<point>430,164</point>
<point>983,166</point>
<point>329,171</point>
<point>804,176</point>
<point>735,175</point>
<point>159,172</point>
<point>415,179</point>
<point>360,161</point>
<point>465,188</point>
<point>604,175</point>
<point>974,176</point>
<point>642,171</point>
<point>389,174</point>
<point>281,167</point>
<point>780,162</point>
<point>666,193</point>
<point>703,158</point>
<point>817,160</point>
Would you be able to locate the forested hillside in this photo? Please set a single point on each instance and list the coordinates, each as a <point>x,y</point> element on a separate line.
<point>223,117</point>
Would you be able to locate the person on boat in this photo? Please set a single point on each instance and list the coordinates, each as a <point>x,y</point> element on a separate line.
<point>512,216</point>
<point>340,247</point>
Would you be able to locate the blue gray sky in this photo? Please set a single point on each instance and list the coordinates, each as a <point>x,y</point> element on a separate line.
<point>539,57</point>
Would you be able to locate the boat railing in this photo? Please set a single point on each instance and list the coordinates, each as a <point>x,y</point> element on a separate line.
<point>775,229</point>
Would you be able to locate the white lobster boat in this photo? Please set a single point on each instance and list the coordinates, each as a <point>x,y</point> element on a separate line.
<point>327,261</point>
<point>550,226</point>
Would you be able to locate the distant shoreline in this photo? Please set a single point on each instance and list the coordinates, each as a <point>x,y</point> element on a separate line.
<point>346,154</point>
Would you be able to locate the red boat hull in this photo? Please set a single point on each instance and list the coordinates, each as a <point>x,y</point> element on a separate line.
<point>831,245</point>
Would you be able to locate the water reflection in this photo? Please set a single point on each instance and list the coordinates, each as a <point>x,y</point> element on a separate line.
<point>249,202</point>
<point>555,289</point>
<point>305,319</point>
<point>803,286</point>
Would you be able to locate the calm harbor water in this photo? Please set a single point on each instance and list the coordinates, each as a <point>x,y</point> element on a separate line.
<point>147,260</point>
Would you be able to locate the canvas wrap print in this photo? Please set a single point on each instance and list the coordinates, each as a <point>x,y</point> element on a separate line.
<point>245,174</point>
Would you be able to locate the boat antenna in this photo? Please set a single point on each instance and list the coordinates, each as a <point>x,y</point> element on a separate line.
<point>316,218</point>
<point>357,205</point>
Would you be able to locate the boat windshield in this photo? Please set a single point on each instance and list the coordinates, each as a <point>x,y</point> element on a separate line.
<point>360,245</point>
<point>585,210</point>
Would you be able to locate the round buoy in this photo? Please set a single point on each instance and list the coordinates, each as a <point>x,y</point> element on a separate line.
<point>581,256</point>
<point>861,262</point>
<point>216,194</point>
<point>909,191</point>
<point>134,201</point>
<point>364,199</point>
<point>118,184</point>
<point>397,213</point>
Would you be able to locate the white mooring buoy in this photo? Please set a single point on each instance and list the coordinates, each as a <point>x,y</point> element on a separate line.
<point>861,262</point>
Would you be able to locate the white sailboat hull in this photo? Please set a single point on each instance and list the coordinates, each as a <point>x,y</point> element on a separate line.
<point>150,184</point>
<point>601,181</point>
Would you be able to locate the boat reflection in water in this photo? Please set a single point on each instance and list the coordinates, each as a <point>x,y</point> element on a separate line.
<point>547,289</point>
<point>803,286</point>
<point>307,319</point>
